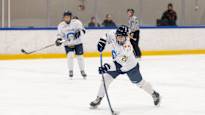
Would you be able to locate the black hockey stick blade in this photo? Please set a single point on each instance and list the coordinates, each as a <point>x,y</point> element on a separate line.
<point>25,52</point>
<point>115,113</point>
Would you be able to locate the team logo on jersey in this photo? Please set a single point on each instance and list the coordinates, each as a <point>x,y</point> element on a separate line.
<point>71,36</point>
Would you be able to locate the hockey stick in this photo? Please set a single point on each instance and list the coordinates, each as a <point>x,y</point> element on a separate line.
<point>45,47</point>
<point>30,52</point>
<point>106,93</point>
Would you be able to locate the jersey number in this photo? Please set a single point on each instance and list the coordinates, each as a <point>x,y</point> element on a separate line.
<point>124,58</point>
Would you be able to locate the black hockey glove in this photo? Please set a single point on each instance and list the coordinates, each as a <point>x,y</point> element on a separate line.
<point>101,44</point>
<point>132,34</point>
<point>59,41</point>
<point>104,68</point>
<point>77,34</point>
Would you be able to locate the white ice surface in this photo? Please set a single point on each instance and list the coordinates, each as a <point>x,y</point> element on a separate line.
<point>42,87</point>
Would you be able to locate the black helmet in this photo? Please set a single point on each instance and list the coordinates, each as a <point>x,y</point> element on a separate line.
<point>122,30</point>
<point>67,13</point>
<point>130,9</point>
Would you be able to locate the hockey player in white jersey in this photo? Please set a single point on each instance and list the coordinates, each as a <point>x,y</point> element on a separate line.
<point>124,62</point>
<point>70,33</point>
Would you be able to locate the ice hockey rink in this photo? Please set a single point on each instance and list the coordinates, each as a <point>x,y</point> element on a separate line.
<point>42,87</point>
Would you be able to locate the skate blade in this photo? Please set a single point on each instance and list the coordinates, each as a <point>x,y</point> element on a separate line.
<point>115,113</point>
<point>159,104</point>
<point>93,107</point>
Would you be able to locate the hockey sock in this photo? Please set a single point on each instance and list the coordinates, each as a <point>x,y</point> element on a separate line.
<point>146,86</point>
<point>81,62</point>
<point>108,80</point>
<point>70,60</point>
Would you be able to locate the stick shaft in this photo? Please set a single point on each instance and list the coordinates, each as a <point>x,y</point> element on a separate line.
<point>45,47</point>
<point>105,88</point>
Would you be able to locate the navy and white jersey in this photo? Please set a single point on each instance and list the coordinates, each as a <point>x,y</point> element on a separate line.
<point>67,32</point>
<point>133,23</point>
<point>122,54</point>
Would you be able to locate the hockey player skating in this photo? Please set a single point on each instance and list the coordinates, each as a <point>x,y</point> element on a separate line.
<point>71,31</point>
<point>124,62</point>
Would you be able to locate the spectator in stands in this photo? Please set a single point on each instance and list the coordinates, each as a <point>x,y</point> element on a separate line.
<point>93,22</point>
<point>108,22</point>
<point>169,17</point>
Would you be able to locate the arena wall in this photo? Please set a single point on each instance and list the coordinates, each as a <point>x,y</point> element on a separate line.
<point>153,41</point>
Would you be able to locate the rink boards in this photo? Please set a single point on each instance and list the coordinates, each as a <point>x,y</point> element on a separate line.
<point>154,41</point>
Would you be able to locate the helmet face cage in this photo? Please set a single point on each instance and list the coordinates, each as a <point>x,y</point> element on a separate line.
<point>67,13</point>
<point>121,40</point>
<point>122,31</point>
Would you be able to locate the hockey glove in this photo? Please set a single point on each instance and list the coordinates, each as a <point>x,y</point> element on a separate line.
<point>77,34</point>
<point>104,68</point>
<point>101,44</point>
<point>132,34</point>
<point>59,42</point>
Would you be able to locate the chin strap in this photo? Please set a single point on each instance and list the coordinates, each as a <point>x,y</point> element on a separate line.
<point>67,22</point>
